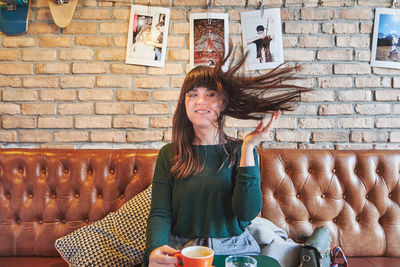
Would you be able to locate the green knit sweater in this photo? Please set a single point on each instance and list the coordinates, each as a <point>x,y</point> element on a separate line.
<point>218,202</point>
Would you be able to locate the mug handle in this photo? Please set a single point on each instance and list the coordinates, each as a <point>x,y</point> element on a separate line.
<point>179,256</point>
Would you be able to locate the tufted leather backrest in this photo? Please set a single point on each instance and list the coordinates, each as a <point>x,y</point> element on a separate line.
<point>46,194</point>
<point>355,194</point>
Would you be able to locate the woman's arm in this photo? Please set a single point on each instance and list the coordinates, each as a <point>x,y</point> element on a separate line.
<point>159,221</point>
<point>247,195</point>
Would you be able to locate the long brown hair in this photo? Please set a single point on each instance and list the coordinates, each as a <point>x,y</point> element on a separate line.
<point>243,98</point>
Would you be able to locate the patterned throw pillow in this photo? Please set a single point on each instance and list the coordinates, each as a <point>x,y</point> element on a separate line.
<point>116,240</point>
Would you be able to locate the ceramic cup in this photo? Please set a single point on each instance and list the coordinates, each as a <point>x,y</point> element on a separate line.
<point>196,256</point>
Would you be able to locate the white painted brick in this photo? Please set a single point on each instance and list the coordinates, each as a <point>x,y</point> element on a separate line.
<point>292,136</point>
<point>368,137</point>
<point>318,96</point>
<point>372,109</point>
<point>395,137</point>
<point>330,136</point>
<point>361,82</point>
<point>354,95</point>
<point>318,123</point>
<point>387,123</point>
<point>315,69</point>
<point>355,122</point>
<point>335,109</point>
<point>387,95</point>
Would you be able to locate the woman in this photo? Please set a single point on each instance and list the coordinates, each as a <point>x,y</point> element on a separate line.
<point>206,186</point>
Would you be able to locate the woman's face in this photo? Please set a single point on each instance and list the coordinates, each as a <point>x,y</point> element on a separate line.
<point>203,107</point>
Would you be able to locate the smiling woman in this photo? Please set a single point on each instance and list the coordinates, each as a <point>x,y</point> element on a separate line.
<point>204,167</point>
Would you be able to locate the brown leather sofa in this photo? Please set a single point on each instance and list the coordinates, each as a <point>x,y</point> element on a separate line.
<point>48,193</point>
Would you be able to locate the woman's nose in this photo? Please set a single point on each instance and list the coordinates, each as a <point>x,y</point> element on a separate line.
<point>200,100</point>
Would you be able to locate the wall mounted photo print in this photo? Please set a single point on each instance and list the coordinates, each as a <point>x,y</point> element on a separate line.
<point>262,38</point>
<point>209,41</point>
<point>147,36</point>
<point>385,41</point>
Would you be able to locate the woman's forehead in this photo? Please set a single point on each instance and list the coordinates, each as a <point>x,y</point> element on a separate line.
<point>197,88</point>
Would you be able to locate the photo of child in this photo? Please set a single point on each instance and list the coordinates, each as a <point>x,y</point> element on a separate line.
<point>262,39</point>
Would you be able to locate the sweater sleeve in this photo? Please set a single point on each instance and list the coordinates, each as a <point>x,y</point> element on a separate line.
<point>247,196</point>
<point>159,221</point>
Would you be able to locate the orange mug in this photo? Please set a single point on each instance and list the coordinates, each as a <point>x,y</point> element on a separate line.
<point>196,256</point>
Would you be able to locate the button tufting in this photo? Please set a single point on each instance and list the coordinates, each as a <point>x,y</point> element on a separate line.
<point>112,171</point>
<point>366,196</point>
<point>275,195</point>
<point>344,196</point>
<point>334,220</point>
<point>135,170</point>
<point>377,170</point>
<point>99,195</point>
<point>334,170</point>
<point>86,220</point>
<point>30,195</point>
<point>20,170</point>
<point>390,195</point>
<point>44,171</point>
<point>323,196</point>
<point>310,220</point>
<point>40,221</point>
<point>298,195</point>
<point>310,170</point>
<point>63,221</point>
<point>8,195</point>
<point>65,170</point>
<point>76,195</point>
<point>121,196</point>
<point>90,171</point>
<point>287,220</point>
<point>53,196</point>
<point>357,219</point>
<point>18,221</point>
<point>355,171</point>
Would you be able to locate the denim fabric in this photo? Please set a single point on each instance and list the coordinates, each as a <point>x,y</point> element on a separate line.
<point>243,244</point>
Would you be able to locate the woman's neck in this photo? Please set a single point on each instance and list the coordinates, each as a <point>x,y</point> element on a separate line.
<point>206,137</point>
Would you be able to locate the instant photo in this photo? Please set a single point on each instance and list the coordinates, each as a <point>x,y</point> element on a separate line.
<point>208,38</point>
<point>385,43</point>
<point>147,36</point>
<point>262,38</point>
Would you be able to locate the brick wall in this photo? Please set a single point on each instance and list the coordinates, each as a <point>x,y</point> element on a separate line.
<point>70,88</point>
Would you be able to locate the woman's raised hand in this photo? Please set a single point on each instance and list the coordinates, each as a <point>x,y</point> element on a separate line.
<point>254,138</point>
<point>261,133</point>
<point>163,257</point>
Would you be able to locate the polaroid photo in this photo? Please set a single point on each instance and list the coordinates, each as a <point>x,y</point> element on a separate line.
<point>262,38</point>
<point>385,40</point>
<point>209,38</point>
<point>147,36</point>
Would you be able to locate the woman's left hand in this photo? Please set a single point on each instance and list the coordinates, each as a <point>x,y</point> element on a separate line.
<point>261,133</point>
<point>254,138</point>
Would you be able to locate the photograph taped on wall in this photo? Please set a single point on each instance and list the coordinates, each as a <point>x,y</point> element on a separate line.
<point>386,37</point>
<point>147,36</point>
<point>209,38</point>
<point>262,38</point>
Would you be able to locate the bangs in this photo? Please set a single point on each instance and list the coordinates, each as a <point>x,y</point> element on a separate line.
<point>201,76</point>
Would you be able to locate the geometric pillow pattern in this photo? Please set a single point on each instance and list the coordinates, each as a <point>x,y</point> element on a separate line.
<point>116,240</point>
